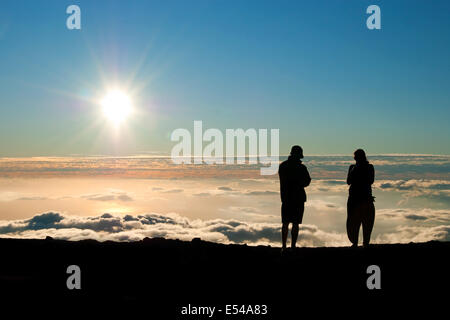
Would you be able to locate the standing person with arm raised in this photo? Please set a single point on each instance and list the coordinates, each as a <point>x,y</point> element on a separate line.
<point>360,207</point>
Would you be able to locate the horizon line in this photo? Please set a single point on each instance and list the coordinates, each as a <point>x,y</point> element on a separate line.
<point>143,155</point>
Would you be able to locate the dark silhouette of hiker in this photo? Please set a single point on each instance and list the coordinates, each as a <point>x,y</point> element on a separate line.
<point>360,207</point>
<point>294,177</point>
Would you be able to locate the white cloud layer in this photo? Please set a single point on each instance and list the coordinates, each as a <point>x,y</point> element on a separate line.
<point>174,226</point>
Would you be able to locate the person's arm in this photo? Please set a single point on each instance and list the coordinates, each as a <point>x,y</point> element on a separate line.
<point>371,174</point>
<point>350,174</point>
<point>282,183</point>
<point>307,179</point>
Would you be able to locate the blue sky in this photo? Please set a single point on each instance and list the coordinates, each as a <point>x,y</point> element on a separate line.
<point>310,68</point>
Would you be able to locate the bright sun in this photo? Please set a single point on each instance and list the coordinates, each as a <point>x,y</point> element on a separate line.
<point>116,106</point>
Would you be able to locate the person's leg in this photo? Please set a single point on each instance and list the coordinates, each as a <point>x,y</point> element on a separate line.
<point>295,224</point>
<point>284,234</point>
<point>294,234</point>
<point>353,222</point>
<point>285,224</point>
<point>367,222</point>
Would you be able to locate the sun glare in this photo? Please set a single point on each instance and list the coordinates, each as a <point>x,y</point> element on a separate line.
<point>116,106</point>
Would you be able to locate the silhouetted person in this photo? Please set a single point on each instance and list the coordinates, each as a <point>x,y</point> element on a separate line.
<point>294,177</point>
<point>360,207</point>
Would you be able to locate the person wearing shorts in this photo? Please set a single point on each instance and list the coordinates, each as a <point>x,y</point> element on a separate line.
<point>294,177</point>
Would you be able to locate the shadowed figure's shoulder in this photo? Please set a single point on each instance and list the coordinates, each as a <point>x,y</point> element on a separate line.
<point>284,163</point>
<point>291,167</point>
<point>283,167</point>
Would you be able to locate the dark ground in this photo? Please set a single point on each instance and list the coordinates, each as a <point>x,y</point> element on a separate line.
<point>159,277</point>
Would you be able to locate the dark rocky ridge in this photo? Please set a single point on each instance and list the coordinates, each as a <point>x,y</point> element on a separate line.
<point>164,275</point>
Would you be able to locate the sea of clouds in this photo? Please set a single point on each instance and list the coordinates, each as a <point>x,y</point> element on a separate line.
<point>173,226</point>
<point>413,201</point>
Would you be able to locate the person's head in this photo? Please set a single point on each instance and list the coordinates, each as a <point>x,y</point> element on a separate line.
<point>297,152</point>
<point>360,156</point>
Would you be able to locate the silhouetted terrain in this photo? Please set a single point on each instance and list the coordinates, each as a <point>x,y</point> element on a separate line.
<point>162,275</point>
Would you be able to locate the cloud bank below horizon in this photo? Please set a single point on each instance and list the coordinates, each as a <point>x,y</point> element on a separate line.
<point>227,203</point>
<point>173,226</point>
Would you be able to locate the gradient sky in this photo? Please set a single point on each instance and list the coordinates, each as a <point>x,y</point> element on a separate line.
<point>310,68</point>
